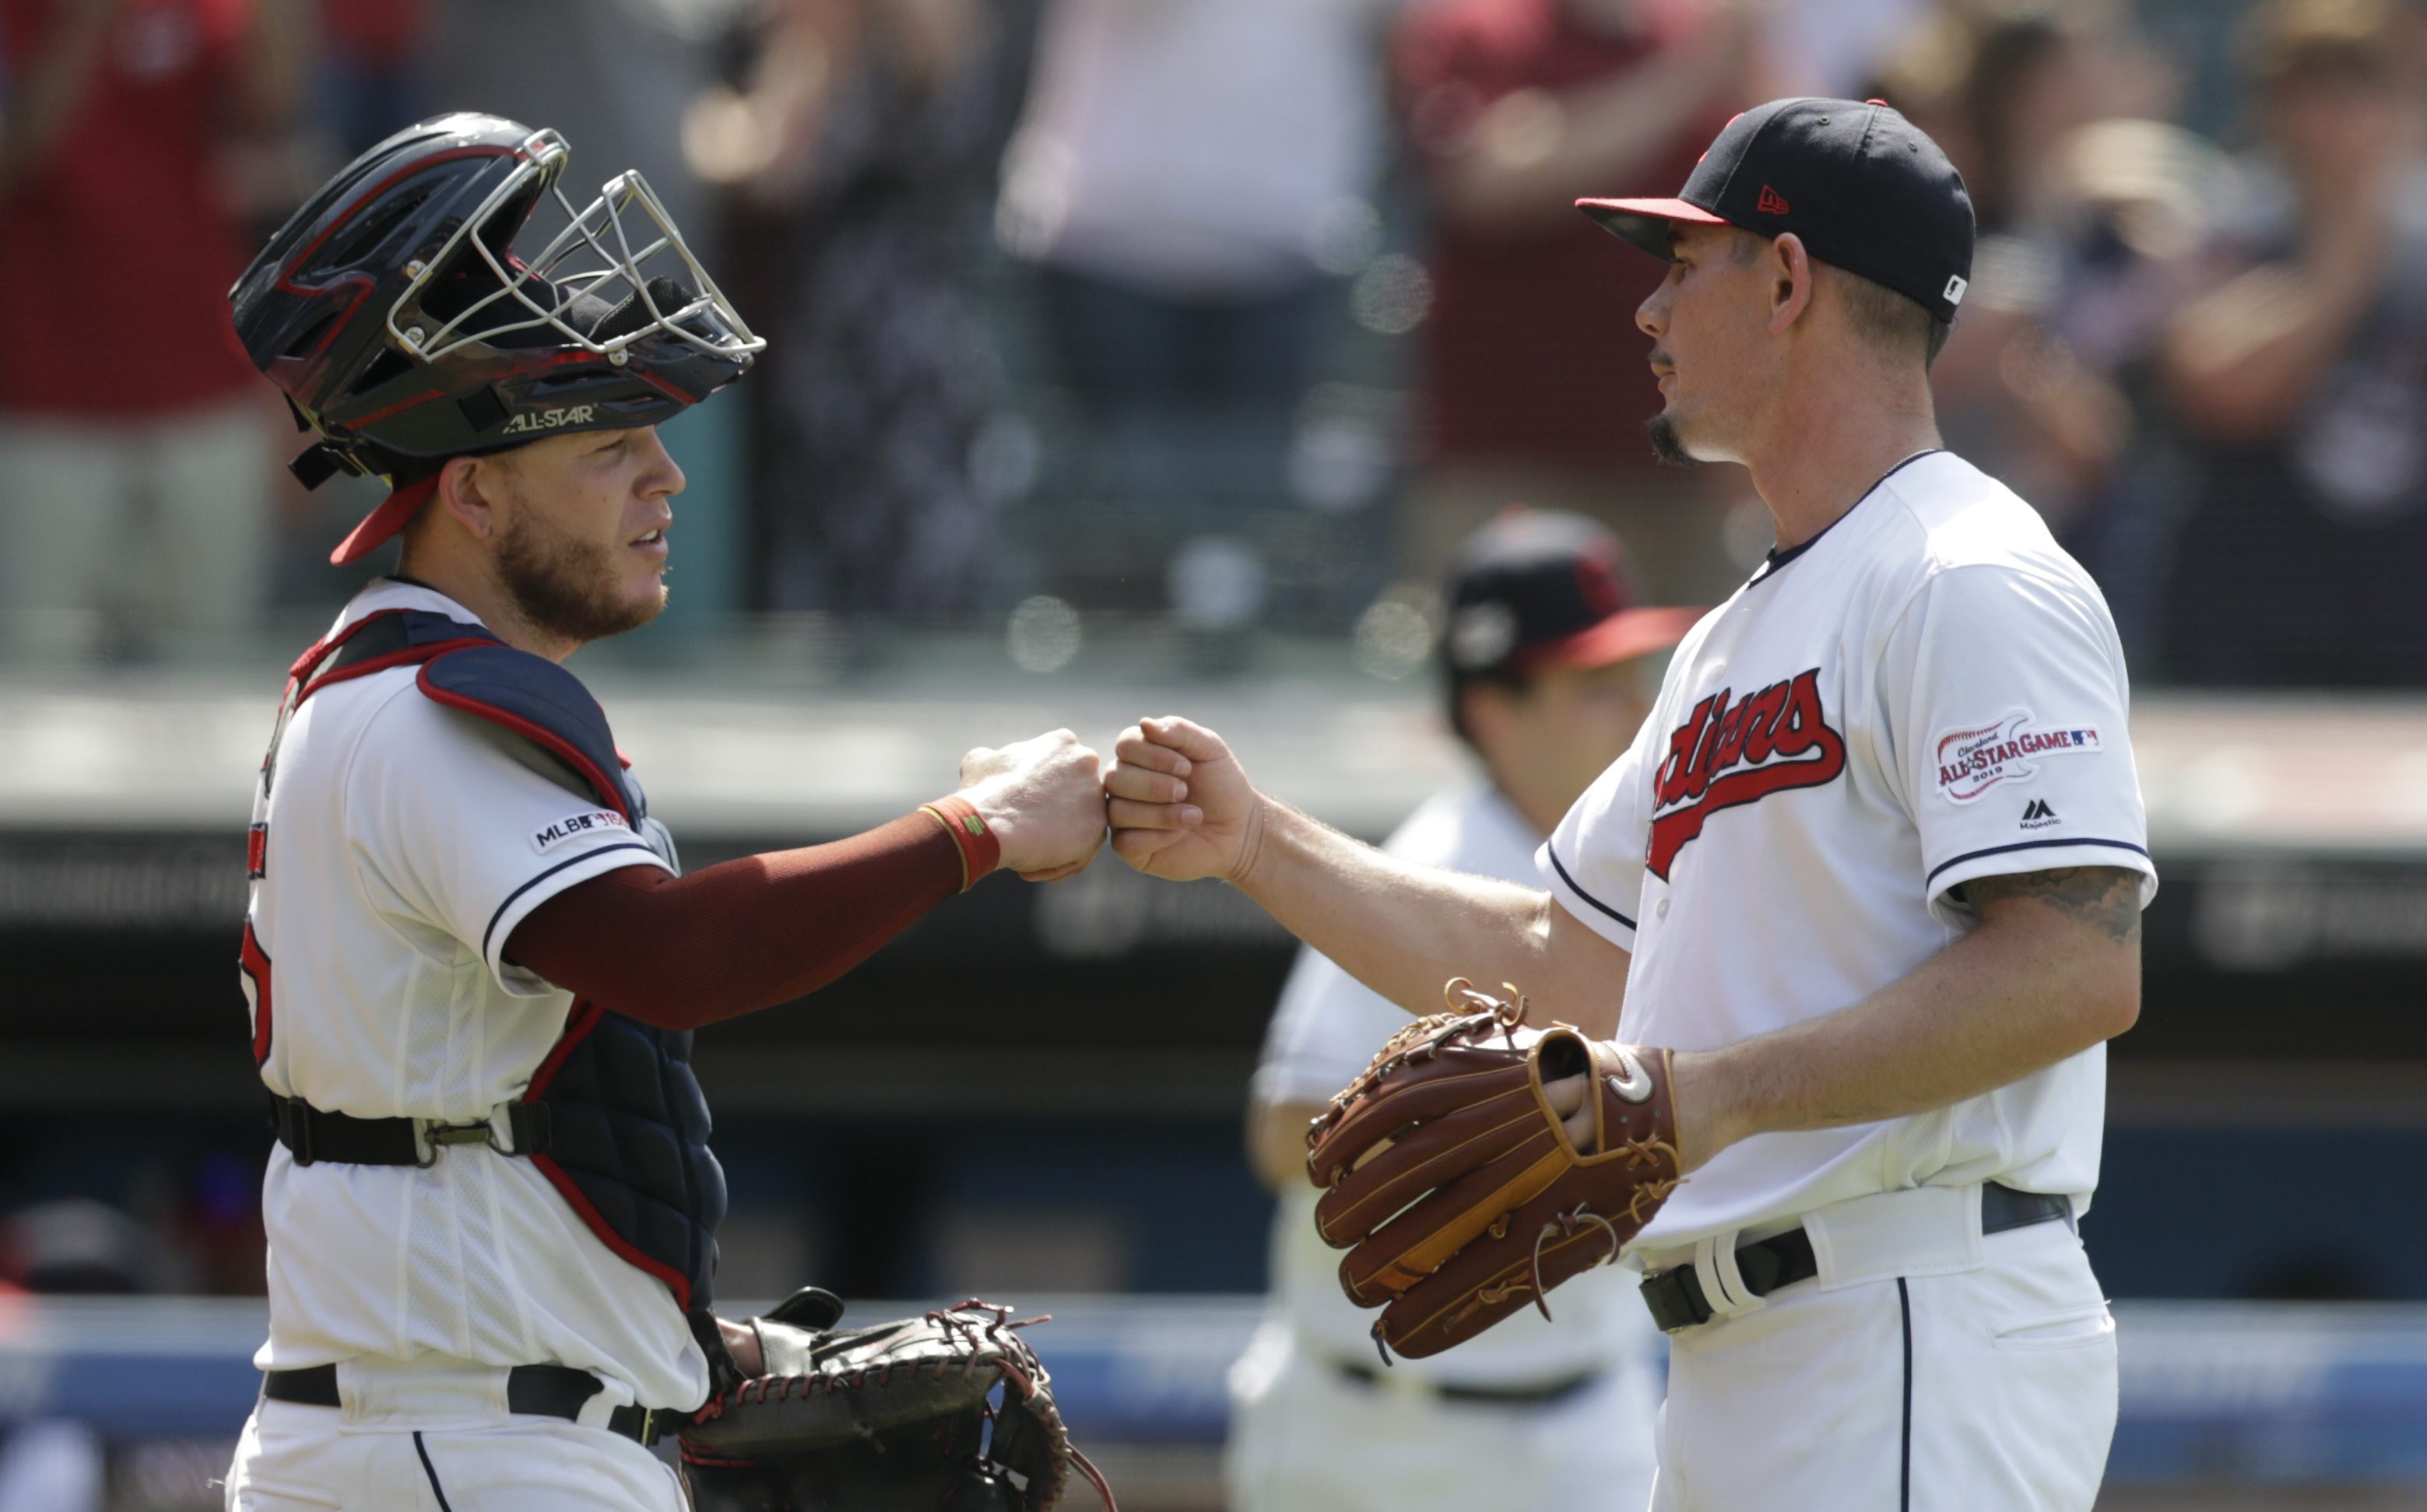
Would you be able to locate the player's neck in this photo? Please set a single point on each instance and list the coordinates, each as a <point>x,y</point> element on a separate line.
<point>468,579</point>
<point>1834,441</point>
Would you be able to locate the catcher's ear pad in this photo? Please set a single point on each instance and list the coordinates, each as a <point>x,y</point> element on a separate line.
<point>813,1308</point>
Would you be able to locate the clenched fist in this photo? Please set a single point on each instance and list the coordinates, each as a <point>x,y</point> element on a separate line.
<point>1181,805</point>
<point>1044,799</point>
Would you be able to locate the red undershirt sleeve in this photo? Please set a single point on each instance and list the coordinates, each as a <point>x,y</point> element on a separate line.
<point>683,951</point>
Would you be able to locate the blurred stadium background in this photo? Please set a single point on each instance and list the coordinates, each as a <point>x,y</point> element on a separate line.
<point>1124,369</point>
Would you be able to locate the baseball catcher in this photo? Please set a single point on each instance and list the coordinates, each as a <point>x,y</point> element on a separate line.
<point>473,958</point>
<point>1477,1164</point>
<point>952,1409</point>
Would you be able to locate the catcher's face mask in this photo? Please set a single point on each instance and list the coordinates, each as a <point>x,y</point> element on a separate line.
<point>618,274</point>
<point>396,313</point>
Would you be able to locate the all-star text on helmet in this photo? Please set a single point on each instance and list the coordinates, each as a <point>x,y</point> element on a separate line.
<point>395,314</point>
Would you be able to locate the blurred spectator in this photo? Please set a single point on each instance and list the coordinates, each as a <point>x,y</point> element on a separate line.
<point>1185,173</point>
<point>864,142</point>
<point>78,1246</point>
<point>1537,384</point>
<point>1831,48</point>
<point>614,77</point>
<point>134,475</point>
<point>371,81</point>
<point>2303,370</point>
<point>1550,667</point>
<point>2072,277</point>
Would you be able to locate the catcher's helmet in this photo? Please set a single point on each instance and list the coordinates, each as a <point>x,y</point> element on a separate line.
<point>395,316</point>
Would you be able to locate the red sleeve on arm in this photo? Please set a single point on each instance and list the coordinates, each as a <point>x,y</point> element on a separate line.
<point>683,951</point>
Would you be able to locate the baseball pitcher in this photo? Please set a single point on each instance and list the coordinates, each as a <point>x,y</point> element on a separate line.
<point>1837,941</point>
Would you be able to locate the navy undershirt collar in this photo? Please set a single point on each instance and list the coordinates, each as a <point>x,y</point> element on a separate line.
<point>1777,559</point>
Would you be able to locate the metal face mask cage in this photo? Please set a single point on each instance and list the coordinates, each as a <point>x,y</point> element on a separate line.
<point>544,292</point>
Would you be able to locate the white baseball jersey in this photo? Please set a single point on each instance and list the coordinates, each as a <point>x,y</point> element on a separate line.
<point>405,841</point>
<point>1927,692</point>
<point>1324,1033</point>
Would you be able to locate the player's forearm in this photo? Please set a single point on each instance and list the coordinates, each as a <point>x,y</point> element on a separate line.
<point>1533,152</point>
<point>2043,978</point>
<point>1401,929</point>
<point>2247,359</point>
<point>682,952</point>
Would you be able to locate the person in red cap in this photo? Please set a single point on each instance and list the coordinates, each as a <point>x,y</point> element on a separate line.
<point>1867,886</point>
<point>1548,656</point>
<point>472,959</point>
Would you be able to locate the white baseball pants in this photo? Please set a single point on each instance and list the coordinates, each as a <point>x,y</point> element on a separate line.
<point>296,1458</point>
<point>1305,1438</point>
<point>1984,1388</point>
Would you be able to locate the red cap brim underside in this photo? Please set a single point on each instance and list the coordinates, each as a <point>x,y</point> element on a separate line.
<point>1646,222</point>
<point>1622,637</point>
<point>391,516</point>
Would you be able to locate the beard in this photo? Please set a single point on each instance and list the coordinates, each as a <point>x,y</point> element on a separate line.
<point>568,587</point>
<point>1666,444</point>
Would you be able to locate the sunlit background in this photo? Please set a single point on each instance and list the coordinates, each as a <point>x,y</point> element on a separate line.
<point>1133,356</point>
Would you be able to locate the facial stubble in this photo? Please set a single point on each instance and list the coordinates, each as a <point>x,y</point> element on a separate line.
<point>567,586</point>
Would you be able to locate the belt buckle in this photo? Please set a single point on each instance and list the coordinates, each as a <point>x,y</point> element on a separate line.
<point>643,1425</point>
<point>1675,1299</point>
<point>435,1134</point>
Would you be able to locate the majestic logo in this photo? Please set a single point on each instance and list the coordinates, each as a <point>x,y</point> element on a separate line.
<point>1772,201</point>
<point>550,420</point>
<point>574,826</point>
<point>1731,753</point>
<point>2037,815</point>
<point>1972,761</point>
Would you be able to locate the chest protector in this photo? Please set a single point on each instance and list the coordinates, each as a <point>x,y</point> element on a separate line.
<point>626,1129</point>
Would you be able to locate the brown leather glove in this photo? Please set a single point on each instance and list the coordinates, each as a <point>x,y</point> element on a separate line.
<point>1456,1189</point>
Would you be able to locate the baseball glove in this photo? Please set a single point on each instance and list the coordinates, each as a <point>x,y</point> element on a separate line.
<point>952,1410</point>
<point>1454,1188</point>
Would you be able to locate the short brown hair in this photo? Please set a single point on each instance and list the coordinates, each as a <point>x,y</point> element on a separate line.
<point>1894,322</point>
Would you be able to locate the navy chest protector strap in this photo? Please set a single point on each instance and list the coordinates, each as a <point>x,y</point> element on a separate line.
<point>626,1127</point>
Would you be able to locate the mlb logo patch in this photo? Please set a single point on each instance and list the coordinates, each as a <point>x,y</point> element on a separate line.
<point>574,826</point>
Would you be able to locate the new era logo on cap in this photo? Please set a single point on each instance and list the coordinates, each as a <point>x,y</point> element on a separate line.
<point>1772,201</point>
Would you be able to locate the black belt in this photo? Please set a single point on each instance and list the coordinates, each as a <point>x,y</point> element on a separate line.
<point>311,1135</point>
<point>1498,1396</point>
<point>541,1391</point>
<point>1675,1295</point>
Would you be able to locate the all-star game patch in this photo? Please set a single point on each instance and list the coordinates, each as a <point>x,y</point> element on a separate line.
<point>1971,761</point>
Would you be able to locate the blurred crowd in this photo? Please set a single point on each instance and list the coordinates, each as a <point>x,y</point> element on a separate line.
<point>1241,313</point>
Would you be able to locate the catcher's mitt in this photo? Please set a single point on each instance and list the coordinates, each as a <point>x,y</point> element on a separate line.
<point>1454,1188</point>
<point>901,1416</point>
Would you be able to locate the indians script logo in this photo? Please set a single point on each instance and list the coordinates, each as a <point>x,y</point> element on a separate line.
<point>1730,753</point>
<point>1972,761</point>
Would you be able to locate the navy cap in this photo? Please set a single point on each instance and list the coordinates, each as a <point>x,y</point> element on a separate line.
<point>1534,590</point>
<point>1866,190</point>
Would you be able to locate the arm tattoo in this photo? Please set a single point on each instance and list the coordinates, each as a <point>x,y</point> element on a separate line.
<point>2108,897</point>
